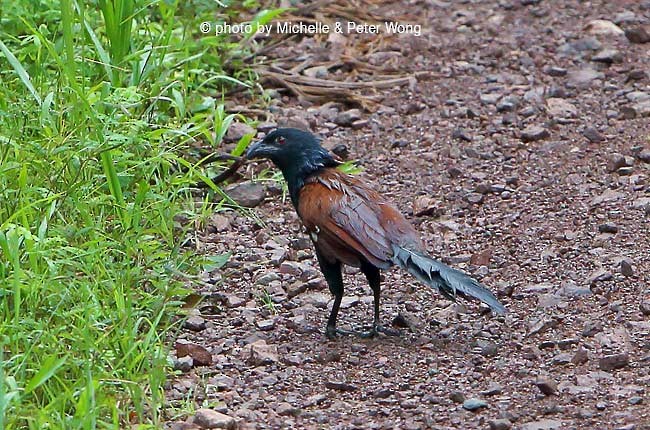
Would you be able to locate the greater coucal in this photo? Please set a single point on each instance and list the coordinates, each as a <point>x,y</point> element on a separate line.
<point>350,223</point>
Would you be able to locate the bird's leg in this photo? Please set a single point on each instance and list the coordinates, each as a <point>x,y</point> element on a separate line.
<point>374,279</point>
<point>334,278</point>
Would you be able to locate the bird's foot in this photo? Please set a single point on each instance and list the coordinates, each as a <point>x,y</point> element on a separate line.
<point>378,328</point>
<point>333,332</point>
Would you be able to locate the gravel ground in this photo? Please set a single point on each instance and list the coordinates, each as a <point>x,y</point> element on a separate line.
<point>524,160</point>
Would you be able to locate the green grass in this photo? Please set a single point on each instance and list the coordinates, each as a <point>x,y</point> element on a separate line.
<point>98,107</point>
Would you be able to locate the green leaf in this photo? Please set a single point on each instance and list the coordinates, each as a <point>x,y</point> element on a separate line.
<point>20,70</point>
<point>48,369</point>
<point>213,262</point>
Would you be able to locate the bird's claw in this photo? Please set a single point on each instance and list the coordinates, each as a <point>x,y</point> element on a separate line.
<point>332,332</point>
<point>378,328</point>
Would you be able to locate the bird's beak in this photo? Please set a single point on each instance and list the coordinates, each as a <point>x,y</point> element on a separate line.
<point>255,150</point>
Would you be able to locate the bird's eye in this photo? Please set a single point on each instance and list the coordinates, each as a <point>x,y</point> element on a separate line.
<point>281,140</point>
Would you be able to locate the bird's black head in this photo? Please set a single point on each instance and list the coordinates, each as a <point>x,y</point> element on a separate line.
<point>297,154</point>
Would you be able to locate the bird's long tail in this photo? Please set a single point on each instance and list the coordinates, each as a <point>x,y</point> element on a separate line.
<point>449,282</point>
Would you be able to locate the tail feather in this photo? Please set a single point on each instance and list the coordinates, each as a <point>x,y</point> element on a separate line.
<point>449,282</point>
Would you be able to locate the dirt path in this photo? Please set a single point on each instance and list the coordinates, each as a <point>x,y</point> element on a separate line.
<point>524,156</point>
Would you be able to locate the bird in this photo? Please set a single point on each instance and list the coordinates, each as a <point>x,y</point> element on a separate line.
<point>351,224</point>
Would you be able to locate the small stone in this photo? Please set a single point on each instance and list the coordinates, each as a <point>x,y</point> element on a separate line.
<point>603,27</point>
<point>461,134</point>
<point>285,409</point>
<point>347,117</point>
<point>644,307</point>
<point>593,135</point>
<point>641,109</point>
<point>489,98</point>
<point>487,347</point>
<point>592,328</point>
<point>237,130</point>
<point>426,206</point>
<point>267,278</point>
<point>209,419</point>
<point>615,161</point>
<point>644,156</point>
<point>219,222</point>
<point>457,396</point>
<point>626,268</point>
<point>637,35</point>
<point>608,56</point>
<point>560,108</point>
<point>493,389</point>
<point>546,385</point>
<point>359,124</point>
<point>340,386</point>
<point>534,133</point>
<point>259,353</point>
<point>542,425</point>
<point>200,355</point>
<point>583,78</point>
<point>194,323</point>
<point>636,400</point>
<point>608,227</point>
<point>265,325</point>
<point>474,404</point>
<point>599,275</point>
<point>184,364</point>
<point>500,424</point>
<point>507,104</point>
<point>247,194</point>
<point>614,361</point>
<point>581,356</point>
<point>561,359</point>
<point>474,198</point>
<point>555,71</point>
<point>266,126</point>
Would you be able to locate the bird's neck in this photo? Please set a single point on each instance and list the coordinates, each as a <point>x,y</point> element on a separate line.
<point>296,173</point>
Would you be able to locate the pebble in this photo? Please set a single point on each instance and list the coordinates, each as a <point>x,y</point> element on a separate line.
<point>286,408</point>
<point>237,130</point>
<point>599,275</point>
<point>593,135</point>
<point>644,156</point>
<point>546,385</point>
<point>608,56</point>
<point>474,404</point>
<point>194,323</point>
<point>603,27</point>
<point>560,108</point>
<point>542,425</point>
<point>583,78</point>
<point>347,117</point>
<point>426,206</point>
<point>644,307</point>
<point>209,419</point>
<point>457,396</point>
<point>591,328</point>
<point>534,133</point>
<point>200,355</point>
<point>637,35</point>
<point>555,71</point>
<point>500,424</point>
<point>247,194</point>
<point>626,268</point>
<point>259,353</point>
<point>581,356</point>
<point>184,364</point>
<point>614,361</point>
<point>608,227</point>
<point>340,386</point>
